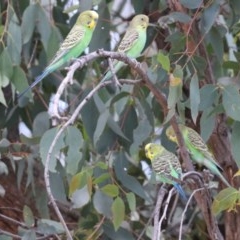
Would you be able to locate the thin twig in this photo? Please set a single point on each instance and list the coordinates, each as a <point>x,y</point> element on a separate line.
<point>114,77</point>
<point>161,194</point>
<point>185,210</point>
<point>61,129</point>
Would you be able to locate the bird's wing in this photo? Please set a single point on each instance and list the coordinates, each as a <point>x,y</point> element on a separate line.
<point>73,38</point>
<point>128,40</point>
<point>197,142</point>
<point>167,165</point>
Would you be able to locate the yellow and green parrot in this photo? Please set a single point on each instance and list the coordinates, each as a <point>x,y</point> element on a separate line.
<point>165,165</point>
<point>197,149</point>
<point>132,43</point>
<point>73,46</point>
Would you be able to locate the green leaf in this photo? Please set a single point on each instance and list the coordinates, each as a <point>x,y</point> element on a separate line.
<point>131,201</point>
<point>231,65</point>
<point>43,26</point>
<point>28,216</point>
<point>207,123</point>
<point>116,128</point>
<point>209,16</point>
<point>80,197</point>
<point>90,122</point>
<point>208,96</point>
<point>79,180</point>
<point>40,124</point>
<point>215,38</point>
<point>14,40</point>
<point>140,134</point>
<point>175,91</point>
<point>118,211</point>
<point>53,43</point>
<point>127,181</point>
<point>164,61</point>
<point>101,124</point>
<point>28,22</point>
<point>111,190</point>
<point>227,199</point>
<point>6,68</point>
<point>180,17</point>
<point>58,187</point>
<point>194,97</point>
<point>102,203</point>
<point>2,98</point>
<point>128,121</point>
<point>231,101</point>
<point>120,234</point>
<point>102,178</point>
<point>29,235</point>
<point>46,142</point>
<point>19,79</point>
<point>102,165</point>
<point>3,168</point>
<point>235,142</point>
<point>192,4</point>
<point>74,141</point>
<point>46,226</point>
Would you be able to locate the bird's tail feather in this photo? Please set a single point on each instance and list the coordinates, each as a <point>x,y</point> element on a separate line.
<point>37,80</point>
<point>180,191</point>
<point>215,169</point>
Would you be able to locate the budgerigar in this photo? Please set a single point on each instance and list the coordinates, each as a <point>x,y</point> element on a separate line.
<point>74,44</point>
<point>166,166</point>
<point>197,149</point>
<point>132,43</point>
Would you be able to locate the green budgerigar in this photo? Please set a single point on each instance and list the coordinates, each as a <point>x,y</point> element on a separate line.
<point>132,43</point>
<point>197,149</point>
<point>73,46</point>
<point>165,165</point>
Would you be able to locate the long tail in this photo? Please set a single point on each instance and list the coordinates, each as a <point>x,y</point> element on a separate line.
<point>108,75</point>
<point>223,179</point>
<point>38,79</point>
<point>180,191</point>
<point>215,169</point>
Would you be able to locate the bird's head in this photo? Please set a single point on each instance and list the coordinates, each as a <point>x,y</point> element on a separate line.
<point>171,134</point>
<point>88,19</point>
<point>153,149</point>
<point>140,20</point>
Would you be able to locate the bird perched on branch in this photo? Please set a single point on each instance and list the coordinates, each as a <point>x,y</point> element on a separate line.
<point>132,44</point>
<point>197,149</point>
<point>166,166</point>
<point>73,46</point>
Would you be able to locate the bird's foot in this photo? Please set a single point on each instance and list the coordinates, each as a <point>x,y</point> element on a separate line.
<point>136,63</point>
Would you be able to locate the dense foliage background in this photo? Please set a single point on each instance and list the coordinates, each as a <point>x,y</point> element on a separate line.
<point>100,184</point>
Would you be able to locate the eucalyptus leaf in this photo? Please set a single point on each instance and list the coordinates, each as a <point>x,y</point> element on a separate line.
<point>102,203</point>
<point>28,22</point>
<point>231,101</point>
<point>194,97</point>
<point>209,16</point>
<point>80,197</point>
<point>235,142</point>
<point>118,211</point>
<point>191,4</point>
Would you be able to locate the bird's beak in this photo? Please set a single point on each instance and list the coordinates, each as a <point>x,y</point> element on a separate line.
<point>93,23</point>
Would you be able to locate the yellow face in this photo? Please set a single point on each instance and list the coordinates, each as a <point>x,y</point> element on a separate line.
<point>88,19</point>
<point>140,20</point>
<point>171,134</point>
<point>152,149</point>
